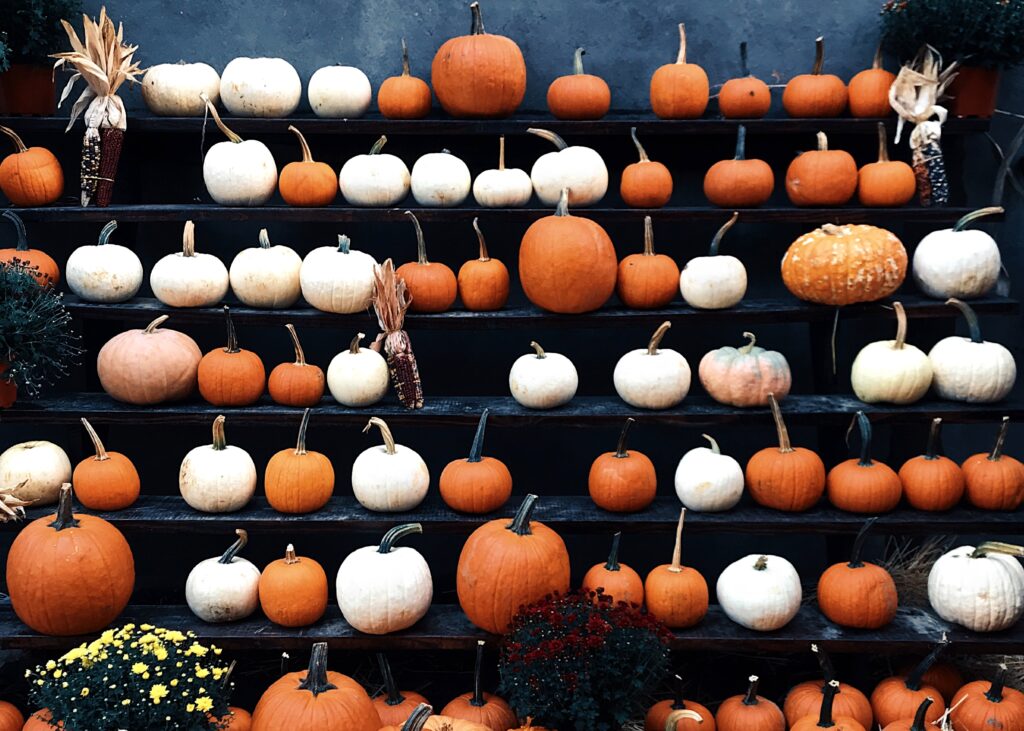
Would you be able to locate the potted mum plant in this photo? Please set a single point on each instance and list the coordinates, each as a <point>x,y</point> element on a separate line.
<point>984,36</point>
<point>31,32</point>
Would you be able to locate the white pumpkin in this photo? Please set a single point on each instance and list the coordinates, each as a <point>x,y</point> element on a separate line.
<point>338,279</point>
<point>374,180</point>
<point>173,89</point>
<point>716,281</point>
<point>187,278</point>
<point>224,588</point>
<point>440,180</point>
<point>104,272</point>
<point>891,371</point>
<point>36,470</point>
<point>339,92</point>
<point>260,87</point>
<point>970,369</point>
<point>707,480</point>
<point>266,276</point>
<point>218,477</point>
<point>542,380</point>
<point>238,172</point>
<point>580,169</point>
<point>358,377</point>
<point>502,187</point>
<point>383,589</point>
<point>649,378</point>
<point>979,588</point>
<point>760,592</point>
<point>391,478</point>
<point>955,262</point>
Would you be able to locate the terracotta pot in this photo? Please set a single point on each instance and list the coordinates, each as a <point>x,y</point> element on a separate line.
<point>8,391</point>
<point>27,89</point>
<point>974,92</point>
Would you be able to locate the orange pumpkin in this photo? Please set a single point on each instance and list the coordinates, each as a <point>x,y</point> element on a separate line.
<point>307,184</point>
<point>432,285</point>
<point>41,721</point>
<point>869,90</point>
<point>567,264</point>
<point>657,715</point>
<point>8,389</point>
<point>917,723</point>
<point>483,283</point>
<point>479,75</point>
<point>994,481</point>
<point>505,565</point>
<point>647,281</point>
<point>825,718</point>
<point>613,581</point>
<point>298,480</point>
<point>645,184</point>
<point>785,477</point>
<point>394,706</point>
<point>863,485</point>
<point>296,384</point>
<point>988,706</point>
<point>858,594</point>
<point>739,183</point>
<point>807,698</point>
<point>479,707</point>
<point>46,269</point>
<point>477,484</point>
<point>231,376</point>
<point>69,574</point>
<point>11,718</point>
<point>899,697</point>
<point>843,265</point>
<point>293,590</point>
<point>821,177</point>
<point>749,712</point>
<point>886,183</point>
<point>680,90</point>
<point>579,96</point>
<point>422,720</point>
<point>931,481</point>
<point>30,176</point>
<point>746,97</point>
<point>405,96</point>
<point>108,481</point>
<point>676,594</point>
<point>623,481</point>
<point>236,719</point>
<point>943,676</point>
<point>815,94</point>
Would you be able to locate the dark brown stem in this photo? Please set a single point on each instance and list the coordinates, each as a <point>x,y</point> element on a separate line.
<point>744,69</point>
<point>101,452</point>
<point>477,26</point>
<point>421,245</point>
<point>914,680</point>
<point>876,62</point>
<point>761,563</point>
<point>537,349</point>
<point>65,517</point>
<point>995,691</point>
<point>19,146</point>
<point>620,450</point>
<point>741,143</point>
<point>678,702</point>
<point>396,534</point>
<point>934,446</point>
<point>997,449</point>
<point>919,717</point>
<point>484,256</point>
<point>353,347</point>
<point>300,444</point>
<point>750,699</point>
<point>825,714</point>
<point>785,447</point>
<point>300,354</point>
<point>655,341</point>
<point>232,346</point>
<point>972,318</point>
<point>478,699</point>
<point>19,226</point>
<point>316,676</point>
<point>307,155</point>
<point>883,143</point>
<point>476,452</point>
<point>229,555</point>
<point>394,695</point>
<point>520,524</point>
<point>639,148</point>
<point>720,234</point>
<point>858,544</point>
<point>819,55</point>
<point>862,422</point>
<point>825,663</point>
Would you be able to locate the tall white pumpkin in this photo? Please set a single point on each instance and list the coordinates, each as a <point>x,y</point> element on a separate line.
<point>440,180</point>
<point>104,272</point>
<point>374,180</point>
<point>580,169</point>
<point>390,478</point>
<point>260,87</point>
<point>502,187</point>
<point>971,369</point>
<point>174,89</point>
<point>238,172</point>
<point>36,470</point>
<point>224,588</point>
<point>338,279</point>
<point>707,480</point>
<point>188,278</point>
<point>652,378</point>
<point>958,262</point>
<point>716,281</point>
<point>339,92</point>
<point>265,275</point>
<point>218,477</point>
<point>979,588</point>
<point>358,376</point>
<point>891,371</point>
<point>542,380</point>
<point>760,592</point>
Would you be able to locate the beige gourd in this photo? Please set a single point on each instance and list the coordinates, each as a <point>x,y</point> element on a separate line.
<point>891,371</point>
<point>260,87</point>
<point>542,380</point>
<point>502,187</point>
<point>104,272</point>
<point>36,470</point>
<point>652,378</point>
<point>217,477</point>
<point>578,168</point>
<point>440,180</point>
<point>707,480</point>
<point>188,278</point>
<point>338,279</point>
<point>716,281</point>
<point>174,89</point>
<point>375,180</point>
<point>358,377</point>
<point>224,588</point>
<point>238,172</point>
<point>971,369</point>
<point>266,276</point>
<point>391,478</point>
<point>339,92</point>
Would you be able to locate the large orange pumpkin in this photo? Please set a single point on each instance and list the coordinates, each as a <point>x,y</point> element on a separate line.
<point>483,283</point>
<point>307,183</point>
<point>658,714</point>
<point>298,383</point>
<point>231,376</point>
<point>805,699</point>
<point>869,90</point>
<point>623,481</point>
<point>46,269</point>
<point>746,97</point>
<point>479,75</point>
<point>505,565</point>
<point>863,485</point>
<point>432,284</point>
<point>107,481</point>
<point>11,718</point>
<point>405,96</point>
<point>899,697</point>
<point>69,574</point>
<point>486,709</point>
<point>858,594</point>
<point>30,176</point>
<point>293,590</point>
<point>579,96</point>
<point>739,183</point>
<point>567,264</point>
<point>826,718</point>
<point>614,581</point>
<point>477,484</point>
<point>815,94</point>
<point>676,594</point>
<point>648,280</point>
<point>680,90</point>
<point>749,712</point>
<point>394,706</point>
<point>785,477</point>
<point>988,706</point>
<point>821,177</point>
<point>885,183</point>
<point>299,480</point>
<point>994,481</point>
<point>931,481</point>
<point>645,183</point>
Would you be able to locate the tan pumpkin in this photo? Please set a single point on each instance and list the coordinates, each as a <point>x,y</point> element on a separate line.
<point>745,376</point>
<point>149,366</point>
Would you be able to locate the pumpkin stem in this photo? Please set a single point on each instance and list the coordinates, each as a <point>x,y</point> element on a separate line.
<point>744,70</point>
<point>477,450</point>
<point>421,245</point>
<point>819,55</point>
<point>997,450</point>
<point>825,663</point>
<point>264,239</point>
<point>714,444</point>
<point>751,342</point>
<point>344,244</point>
<point>300,444</point>
<point>825,714</point>
<point>229,555</point>
<point>639,148</point>
<point>106,232</point>
<point>394,695</point>
<point>914,680</point>
<point>478,699</point>
<point>677,550</point>
<point>307,155</point>
<point>289,555</point>
<point>862,422</point>
<point>65,517</point>
<point>418,718</point>
<point>406,71</point>
<point>483,243</point>
<point>577,62</point>
<point>750,699</point>
<point>741,143</point>
<point>934,446</point>
<point>785,447</point>
<point>101,452</point>
<point>151,327</point>
<point>975,215</point>
<point>477,27</point>
<point>353,347</point>
<point>822,142</point>
<point>188,239</point>
<point>648,236</point>
<point>919,720</point>
<point>720,234</point>
<point>681,56</point>
<point>858,543</point>
<point>218,121</point>
<point>501,152</point>
<point>520,524</point>
<point>678,702</point>
<point>562,209</point>
<point>972,318</point>
<point>300,354</point>
<point>612,564</point>
<point>220,441</point>
<point>379,145</point>
<point>997,547</point>
<point>539,350</point>
<point>316,676</point>
<point>652,346</point>
<point>232,346</point>
<point>876,62</point>
<point>620,450</point>
<point>883,143</point>
<point>549,136</point>
<point>393,536</point>
<point>995,691</point>
<point>901,325</point>
<point>19,226</point>
<point>385,432</point>
<point>18,144</point>
<point>676,716</point>
<point>761,563</point>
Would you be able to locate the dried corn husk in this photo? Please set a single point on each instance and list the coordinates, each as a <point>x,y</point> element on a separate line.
<point>391,300</point>
<point>12,507</point>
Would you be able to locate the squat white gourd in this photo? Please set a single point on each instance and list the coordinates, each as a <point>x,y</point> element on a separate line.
<point>174,89</point>
<point>374,180</point>
<point>260,87</point>
<point>502,187</point>
<point>580,169</point>
<point>891,371</point>
<point>218,477</point>
<point>440,180</point>
<point>390,478</point>
<point>358,376</point>
<point>760,592</point>
<point>707,480</point>
<point>36,470</point>
<point>716,281</point>
<point>970,369</point>
<point>649,378</point>
<point>958,262</point>
<point>339,92</point>
<point>338,279</point>
<point>238,172</point>
<point>265,275</point>
<point>104,272</point>
<point>542,380</point>
<point>383,589</point>
<point>979,588</point>
<point>188,278</point>
<point>224,588</point>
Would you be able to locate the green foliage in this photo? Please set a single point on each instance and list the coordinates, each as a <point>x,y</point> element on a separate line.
<point>986,33</point>
<point>4,63</point>
<point>33,30</point>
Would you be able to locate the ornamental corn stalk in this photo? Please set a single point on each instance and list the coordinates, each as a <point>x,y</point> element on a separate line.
<point>391,300</point>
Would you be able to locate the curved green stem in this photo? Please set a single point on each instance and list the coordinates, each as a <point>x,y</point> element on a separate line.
<point>550,136</point>
<point>995,691</point>
<point>520,524</point>
<point>394,695</point>
<point>720,234</point>
<point>379,145</point>
<point>825,714</point>
<point>975,215</point>
<point>914,680</point>
<point>858,543</point>
<point>862,422</point>
<point>971,316</point>
<point>393,536</point>
<point>19,227</point>
<point>577,62</point>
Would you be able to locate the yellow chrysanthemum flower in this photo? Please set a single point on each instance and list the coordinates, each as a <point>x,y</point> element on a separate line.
<point>157,692</point>
<point>204,704</point>
<point>139,668</point>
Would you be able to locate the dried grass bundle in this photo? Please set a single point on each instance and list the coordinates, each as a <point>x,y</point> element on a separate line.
<point>984,666</point>
<point>910,561</point>
<point>391,301</point>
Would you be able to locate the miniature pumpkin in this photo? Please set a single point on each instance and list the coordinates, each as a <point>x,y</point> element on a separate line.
<point>676,595</point>
<point>886,183</point>
<point>11,718</point>
<point>440,180</point>
<point>46,270</point>
<point>480,74</point>
<point>994,481</point>
<point>35,470</point>
<point>238,172</point>
<point>383,589</point>
<point>483,283</point>
<point>657,715</point>
<point>358,376</point>
<point>821,177</point>
<point>505,565</point>
<point>393,705</point>
<point>579,169</point>
<point>745,376</point>
<point>338,279</point>
<point>298,383</point>
<point>649,378</point>
<point>224,588</point>
<point>477,484</point>
<point>231,376</point>
<point>807,698</point>
<point>69,574</point>
<point>297,480</point>
<point>579,95</point>
<point>958,262</point>
<point>217,478</point>
<point>858,594</point>
<point>826,718</point>
<point>173,89</point>
<point>869,90</point>
<point>105,272</point>
<point>680,90</point>
<point>890,371</point>
<point>236,719</point>
<point>293,590</point>
<point>422,720</point>
<point>647,281</point>
<point>266,276</point>
<point>863,485</point>
<point>339,92</point>
<point>899,697</point>
<point>433,285</point>
<point>479,707</point>
<point>612,581</point>
<point>740,182</point>
<point>942,675</point>
<point>645,184</point>
<point>979,588</point>
<point>40,721</point>
<point>971,369</point>
<point>707,480</point>
<point>815,94</point>
<point>917,723</point>
<point>983,705</point>
<point>844,265</point>
<point>188,278</point>
<point>107,481</point>
<point>391,478</point>
<point>760,592</point>
<point>30,176</point>
<point>405,96</point>
<point>149,366</point>
<point>746,97</point>
<point>623,481</point>
<point>307,183</point>
<point>715,281</point>
<point>376,179</point>
<point>502,187</point>
<point>260,87</point>
<point>542,380</point>
<point>567,264</point>
<point>749,711</point>
<point>785,477</point>
<point>931,481</point>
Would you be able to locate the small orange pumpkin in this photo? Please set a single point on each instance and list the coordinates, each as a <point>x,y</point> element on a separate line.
<point>680,90</point>
<point>917,723</point>
<point>394,706</point>
<point>657,715</point>
<point>30,176</point>
<point>863,485</point>
<point>483,282</point>
<point>579,96</point>
<point>293,590</point>
<point>985,706</point>
<point>236,719</point>
<point>477,484</point>
<point>900,697</point>
<point>405,96</point>
<point>296,384</point>
<point>821,177</point>
<point>825,718</point>
<point>307,184</point>
<point>858,594</point>
<point>432,285</point>
<point>886,183</point>
<point>746,97</point>
<point>11,718</point>
<point>805,699</point>
<point>41,720</point>
<point>785,477</point>
<point>647,281</point>
<point>108,481</point>
<point>479,707</point>
<point>748,711</point>
<point>612,581</point>
<point>869,90</point>
<point>677,595</point>
<point>231,376</point>
<point>421,719</point>
<point>623,481</point>
<point>931,481</point>
<point>994,481</point>
<point>739,183</point>
<point>815,94</point>
<point>46,269</point>
<point>645,184</point>
<point>941,675</point>
<point>297,480</point>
